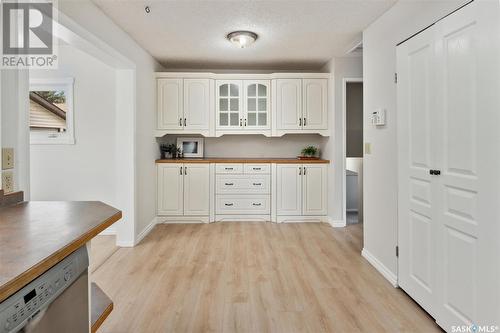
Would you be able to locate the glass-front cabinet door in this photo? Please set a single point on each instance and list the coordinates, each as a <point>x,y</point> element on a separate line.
<point>257,104</point>
<point>229,104</point>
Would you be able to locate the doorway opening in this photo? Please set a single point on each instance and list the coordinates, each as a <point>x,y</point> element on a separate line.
<point>353,150</point>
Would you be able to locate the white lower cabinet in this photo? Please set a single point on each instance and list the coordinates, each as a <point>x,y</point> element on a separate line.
<point>301,190</point>
<point>183,189</point>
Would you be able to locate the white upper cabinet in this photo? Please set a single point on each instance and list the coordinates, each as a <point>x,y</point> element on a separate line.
<point>196,103</point>
<point>257,104</point>
<point>218,104</point>
<point>301,106</point>
<point>229,104</point>
<point>170,104</point>
<point>315,104</point>
<point>184,105</point>
<point>289,104</point>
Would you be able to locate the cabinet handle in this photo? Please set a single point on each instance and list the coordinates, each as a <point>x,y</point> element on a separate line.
<point>180,171</point>
<point>185,170</point>
<point>304,170</point>
<point>228,204</point>
<point>435,172</point>
<point>257,184</point>
<point>257,169</point>
<point>256,204</point>
<point>245,122</point>
<point>184,122</point>
<point>241,122</point>
<point>228,168</point>
<point>180,122</point>
<point>300,171</point>
<point>300,121</point>
<point>229,184</point>
<point>305,122</point>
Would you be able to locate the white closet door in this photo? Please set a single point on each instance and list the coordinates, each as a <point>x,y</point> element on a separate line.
<point>417,224</point>
<point>468,148</point>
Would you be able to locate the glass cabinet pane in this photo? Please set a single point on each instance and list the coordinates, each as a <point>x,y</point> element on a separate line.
<point>251,106</point>
<point>262,119</point>
<point>234,90</point>
<point>223,119</point>
<point>252,119</point>
<point>234,119</point>
<point>223,104</point>
<point>262,90</point>
<point>223,90</point>
<point>252,90</point>
<point>262,104</point>
<point>234,104</point>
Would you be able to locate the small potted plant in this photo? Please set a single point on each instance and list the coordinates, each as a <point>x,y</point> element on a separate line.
<point>309,153</point>
<point>170,149</point>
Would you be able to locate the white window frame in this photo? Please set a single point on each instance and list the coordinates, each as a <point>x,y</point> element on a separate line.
<point>58,138</point>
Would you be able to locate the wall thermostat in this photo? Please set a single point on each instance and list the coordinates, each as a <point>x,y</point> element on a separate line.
<point>378,117</point>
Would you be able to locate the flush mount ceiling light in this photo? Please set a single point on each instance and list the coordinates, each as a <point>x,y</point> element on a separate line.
<point>242,38</point>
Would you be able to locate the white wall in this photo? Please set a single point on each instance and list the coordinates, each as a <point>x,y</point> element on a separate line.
<point>85,170</point>
<point>288,146</point>
<point>380,167</point>
<point>348,67</point>
<point>87,15</point>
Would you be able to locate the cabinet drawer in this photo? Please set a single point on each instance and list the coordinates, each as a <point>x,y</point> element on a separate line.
<point>243,204</point>
<point>243,184</point>
<point>257,168</point>
<point>228,168</point>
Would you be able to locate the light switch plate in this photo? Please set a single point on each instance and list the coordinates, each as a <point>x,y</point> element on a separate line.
<point>368,148</point>
<point>7,158</point>
<point>8,181</point>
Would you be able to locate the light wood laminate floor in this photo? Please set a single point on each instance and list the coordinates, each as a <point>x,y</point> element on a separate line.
<point>253,277</point>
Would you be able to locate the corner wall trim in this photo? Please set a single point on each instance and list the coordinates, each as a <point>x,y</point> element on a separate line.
<point>336,223</point>
<point>146,230</point>
<point>390,276</point>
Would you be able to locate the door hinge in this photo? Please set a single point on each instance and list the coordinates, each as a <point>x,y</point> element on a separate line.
<point>397,251</point>
<point>395,77</point>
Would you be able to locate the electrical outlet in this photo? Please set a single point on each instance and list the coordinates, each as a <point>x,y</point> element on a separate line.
<point>8,181</point>
<point>7,158</point>
<point>368,148</point>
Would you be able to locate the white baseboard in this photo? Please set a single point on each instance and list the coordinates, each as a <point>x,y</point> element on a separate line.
<point>302,219</point>
<point>182,219</point>
<point>390,276</point>
<point>146,230</point>
<point>336,223</point>
<point>110,231</point>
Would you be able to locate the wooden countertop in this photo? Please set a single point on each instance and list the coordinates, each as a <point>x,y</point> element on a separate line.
<point>36,235</point>
<point>243,160</point>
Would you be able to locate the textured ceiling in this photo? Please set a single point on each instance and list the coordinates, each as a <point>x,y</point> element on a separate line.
<point>292,34</point>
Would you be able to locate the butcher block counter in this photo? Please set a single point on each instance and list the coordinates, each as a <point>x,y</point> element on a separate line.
<point>36,235</point>
<point>243,160</point>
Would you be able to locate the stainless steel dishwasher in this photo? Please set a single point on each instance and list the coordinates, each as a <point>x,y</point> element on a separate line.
<point>55,302</point>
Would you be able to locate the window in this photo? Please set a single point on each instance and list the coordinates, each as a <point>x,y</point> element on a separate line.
<point>51,111</point>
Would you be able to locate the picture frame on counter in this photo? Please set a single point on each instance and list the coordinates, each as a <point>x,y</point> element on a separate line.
<point>191,147</point>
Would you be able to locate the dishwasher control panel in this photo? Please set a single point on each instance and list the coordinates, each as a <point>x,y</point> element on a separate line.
<point>25,304</point>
